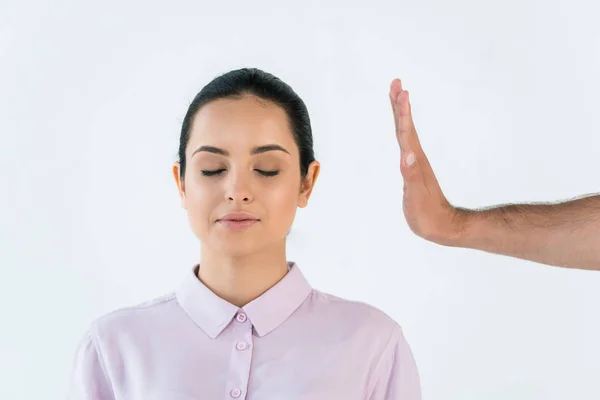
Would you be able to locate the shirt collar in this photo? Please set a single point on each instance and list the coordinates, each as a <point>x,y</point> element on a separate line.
<point>267,312</point>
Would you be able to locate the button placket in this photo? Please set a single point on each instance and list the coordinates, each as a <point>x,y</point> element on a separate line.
<point>241,356</point>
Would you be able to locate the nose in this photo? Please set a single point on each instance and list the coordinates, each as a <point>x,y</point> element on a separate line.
<point>238,187</point>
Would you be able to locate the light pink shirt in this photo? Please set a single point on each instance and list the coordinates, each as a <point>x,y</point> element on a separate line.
<point>292,342</point>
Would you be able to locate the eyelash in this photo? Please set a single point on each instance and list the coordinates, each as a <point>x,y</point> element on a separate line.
<point>267,174</point>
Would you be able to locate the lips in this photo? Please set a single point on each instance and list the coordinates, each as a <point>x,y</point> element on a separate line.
<point>238,217</point>
<point>238,221</point>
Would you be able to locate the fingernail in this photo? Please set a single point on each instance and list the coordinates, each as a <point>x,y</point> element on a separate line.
<point>410,159</point>
<point>398,98</point>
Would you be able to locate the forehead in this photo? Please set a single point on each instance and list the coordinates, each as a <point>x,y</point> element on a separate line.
<point>241,123</point>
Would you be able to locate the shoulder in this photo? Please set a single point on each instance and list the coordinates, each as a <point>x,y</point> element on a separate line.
<point>379,340</point>
<point>137,317</point>
<point>361,315</point>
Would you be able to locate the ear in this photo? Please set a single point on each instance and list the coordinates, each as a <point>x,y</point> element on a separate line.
<point>180,183</point>
<point>308,183</point>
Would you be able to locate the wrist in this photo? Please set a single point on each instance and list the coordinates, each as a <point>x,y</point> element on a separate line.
<point>463,226</point>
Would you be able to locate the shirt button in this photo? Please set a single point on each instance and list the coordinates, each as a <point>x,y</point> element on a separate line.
<point>241,346</point>
<point>241,317</point>
<point>235,393</point>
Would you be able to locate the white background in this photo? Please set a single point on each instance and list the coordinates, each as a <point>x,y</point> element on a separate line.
<point>505,99</point>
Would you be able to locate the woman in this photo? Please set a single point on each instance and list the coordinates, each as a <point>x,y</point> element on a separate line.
<point>245,323</point>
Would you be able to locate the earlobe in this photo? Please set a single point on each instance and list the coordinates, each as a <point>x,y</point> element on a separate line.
<point>308,184</point>
<point>180,184</point>
<point>183,202</point>
<point>302,201</point>
<point>304,196</point>
<point>182,195</point>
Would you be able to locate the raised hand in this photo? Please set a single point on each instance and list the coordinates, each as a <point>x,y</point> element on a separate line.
<point>427,211</point>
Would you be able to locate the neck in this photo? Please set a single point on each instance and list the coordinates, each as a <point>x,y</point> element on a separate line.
<point>241,279</point>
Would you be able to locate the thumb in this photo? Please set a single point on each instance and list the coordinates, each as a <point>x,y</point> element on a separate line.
<point>409,166</point>
<point>412,173</point>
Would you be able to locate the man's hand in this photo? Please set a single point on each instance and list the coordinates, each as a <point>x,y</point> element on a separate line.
<point>563,234</point>
<point>427,211</point>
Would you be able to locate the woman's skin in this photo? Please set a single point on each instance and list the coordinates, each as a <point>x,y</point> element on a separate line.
<point>563,234</point>
<point>239,266</point>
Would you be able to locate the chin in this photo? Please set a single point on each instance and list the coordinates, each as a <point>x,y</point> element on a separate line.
<point>235,248</point>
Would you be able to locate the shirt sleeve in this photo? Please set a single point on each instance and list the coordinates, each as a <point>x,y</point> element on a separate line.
<point>88,379</point>
<point>398,378</point>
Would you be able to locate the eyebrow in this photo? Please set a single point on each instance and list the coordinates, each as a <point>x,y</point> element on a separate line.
<point>254,151</point>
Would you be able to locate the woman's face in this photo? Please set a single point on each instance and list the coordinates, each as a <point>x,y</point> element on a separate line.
<point>225,173</point>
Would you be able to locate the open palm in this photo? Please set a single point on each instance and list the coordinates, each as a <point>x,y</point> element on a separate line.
<point>427,211</point>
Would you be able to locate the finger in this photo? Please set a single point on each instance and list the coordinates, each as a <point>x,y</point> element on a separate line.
<point>395,89</point>
<point>408,139</point>
<point>406,132</point>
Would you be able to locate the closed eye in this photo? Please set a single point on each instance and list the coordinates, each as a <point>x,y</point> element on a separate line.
<point>267,173</point>
<point>220,171</point>
<point>212,173</point>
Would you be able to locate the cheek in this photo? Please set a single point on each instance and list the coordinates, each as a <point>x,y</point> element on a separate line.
<point>283,202</point>
<point>201,202</point>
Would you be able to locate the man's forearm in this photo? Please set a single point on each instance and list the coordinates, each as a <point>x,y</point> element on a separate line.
<point>563,234</point>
